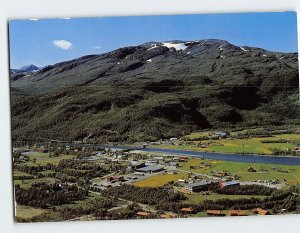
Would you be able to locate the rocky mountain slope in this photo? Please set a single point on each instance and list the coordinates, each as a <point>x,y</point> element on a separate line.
<point>156,90</point>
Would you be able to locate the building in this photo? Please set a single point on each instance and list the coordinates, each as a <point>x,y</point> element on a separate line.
<point>225,184</point>
<point>150,169</point>
<point>167,216</point>
<point>113,179</point>
<point>237,213</point>
<point>173,164</point>
<point>197,187</point>
<point>152,161</point>
<point>143,214</point>
<point>260,211</point>
<point>137,164</point>
<point>222,134</point>
<point>251,169</point>
<point>215,213</point>
<point>183,158</point>
<point>187,210</point>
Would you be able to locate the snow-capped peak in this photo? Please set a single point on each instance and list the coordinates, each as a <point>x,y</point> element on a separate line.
<point>29,68</point>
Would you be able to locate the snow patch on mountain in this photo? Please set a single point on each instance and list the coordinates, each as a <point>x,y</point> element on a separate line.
<point>176,46</point>
<point>153,46</point>
<point>242,48</point>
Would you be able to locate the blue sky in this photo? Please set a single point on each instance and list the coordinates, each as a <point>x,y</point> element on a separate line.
<point>48,41</point>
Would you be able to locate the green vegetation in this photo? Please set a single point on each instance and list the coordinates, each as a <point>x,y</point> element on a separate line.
<point>27,212</point>
<point>284,173</point>
<point>196,198</point>
<point>253,145</point>
<point>41,159</point>
<point>107,98</point>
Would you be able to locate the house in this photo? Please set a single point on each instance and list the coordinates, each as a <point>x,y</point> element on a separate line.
<point>215,213</point>
<point>251,169</point>
<point>197,187</point>
<point>167,216</point>
<point>150,169</point>
<point>222,134</point>
<point>183,158</point>
<point>260,211</point>
<point>143,214</point>
<point>297,150</point>
<point>187,210</point>
<point>225,184</point>
<point>237,213</point>
<point>181,180</point>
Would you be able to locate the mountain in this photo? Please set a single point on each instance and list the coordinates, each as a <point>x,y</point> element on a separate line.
<point>25,69</point>
<point>156,90</point>
<point>29,68</point>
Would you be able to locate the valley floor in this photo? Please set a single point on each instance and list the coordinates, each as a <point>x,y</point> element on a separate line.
<point>104,183</point>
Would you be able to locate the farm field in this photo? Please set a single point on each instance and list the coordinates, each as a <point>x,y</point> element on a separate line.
<point>160,180</point>
<point>284,173</point>
<point>44,159</point>
<point>28,183</point>
<point>245,146</point>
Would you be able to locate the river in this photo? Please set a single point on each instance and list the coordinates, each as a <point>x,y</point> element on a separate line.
<point>266,159</point>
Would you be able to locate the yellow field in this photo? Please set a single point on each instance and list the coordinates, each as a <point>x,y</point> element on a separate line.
<point>160,180</point>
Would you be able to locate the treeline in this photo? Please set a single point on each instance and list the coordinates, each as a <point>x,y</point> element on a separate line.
<point>274,141</point>
<point>150,196</point>
<point>242,190</point>
<point>70,167</point>
<point>276,202</point>
<point>96,207</point>
<point>44,195</point>
<point>164,199</point>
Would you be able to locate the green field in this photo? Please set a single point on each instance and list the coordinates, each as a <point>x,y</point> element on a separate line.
<point>197,198</point>
<point>264,171</point>
<point>28,183</point>
<point>43,159</point>
<point>160,180</point>
<point>19,173</point>
<point>227,145</point>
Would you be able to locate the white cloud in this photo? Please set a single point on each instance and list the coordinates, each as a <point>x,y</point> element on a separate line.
<point>65,18</point>
<point>97,47</point>
<point>34,19</point>
<point>63,44</point>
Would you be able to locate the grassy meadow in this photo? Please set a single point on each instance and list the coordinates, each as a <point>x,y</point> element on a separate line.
<point>246,146</point>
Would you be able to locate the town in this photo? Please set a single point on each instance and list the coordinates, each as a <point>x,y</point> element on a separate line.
<point>136,183</point>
